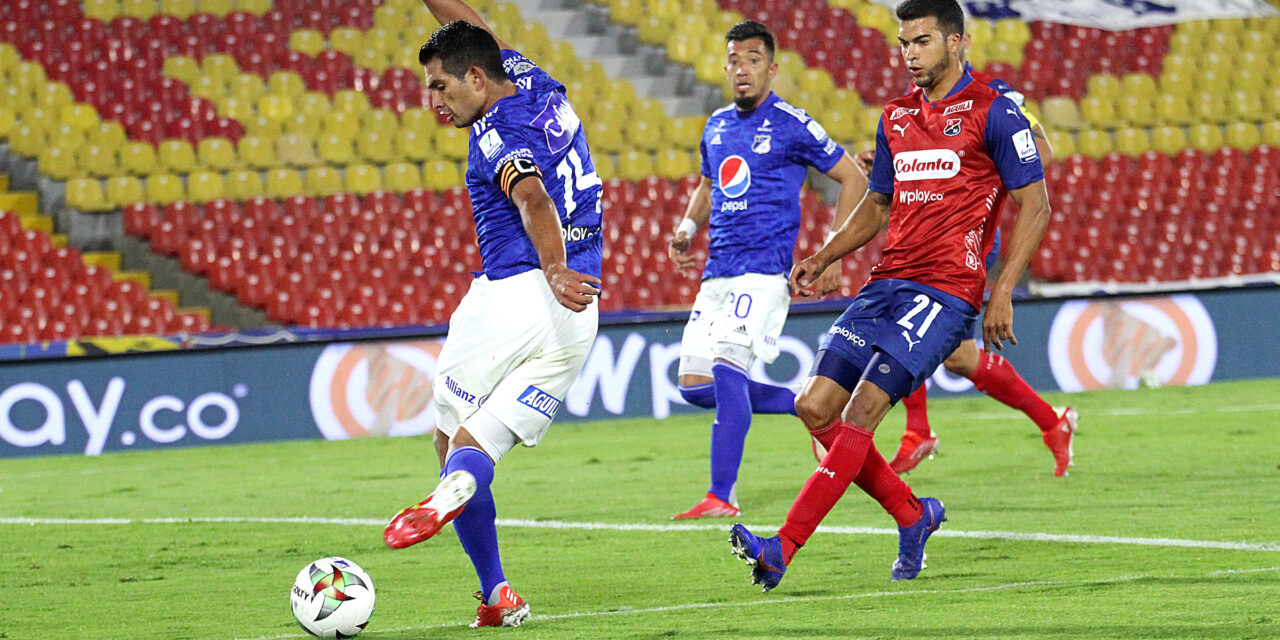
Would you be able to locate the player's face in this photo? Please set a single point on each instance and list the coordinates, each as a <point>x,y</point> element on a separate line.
<point>460,100</point>
<point>927,51</point>
<point>749,70</point>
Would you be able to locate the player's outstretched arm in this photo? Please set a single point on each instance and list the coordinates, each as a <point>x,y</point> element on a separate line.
<point>574,291</point>
<point>853,185</point>
<point>446,11</point>
<point>696,215</point>
<point>868,218</point>
<point>1042,144</point>
<point>1028,227</point>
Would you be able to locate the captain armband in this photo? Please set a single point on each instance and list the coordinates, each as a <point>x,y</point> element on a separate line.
<point>515,170</point>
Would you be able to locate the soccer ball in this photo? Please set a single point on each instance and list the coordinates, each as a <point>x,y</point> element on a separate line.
<point>332,598</point>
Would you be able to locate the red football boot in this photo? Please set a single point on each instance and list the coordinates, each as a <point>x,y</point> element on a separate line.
<point>511,610</point>
<point>710,507</point>
<point>1059,438</point>
<point>425,519</point>
<point>913,449</point>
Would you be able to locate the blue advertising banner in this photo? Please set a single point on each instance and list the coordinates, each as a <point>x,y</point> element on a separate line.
<point>383,386</point>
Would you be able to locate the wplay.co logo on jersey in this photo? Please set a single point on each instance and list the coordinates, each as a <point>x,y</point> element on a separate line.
<point>735,177</point>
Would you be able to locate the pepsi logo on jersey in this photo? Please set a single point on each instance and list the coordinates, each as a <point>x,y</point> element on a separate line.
<point>735,177</point>
<point>930,164</point>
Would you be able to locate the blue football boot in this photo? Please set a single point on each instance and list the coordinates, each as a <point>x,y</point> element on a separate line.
<point>911,539</point>
<point>763,555</point>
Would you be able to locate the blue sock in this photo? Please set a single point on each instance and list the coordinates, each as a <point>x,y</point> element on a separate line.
<point>701,395</point>
<point>475,525</point>
<point>729,433</point>
<point>768,398</point>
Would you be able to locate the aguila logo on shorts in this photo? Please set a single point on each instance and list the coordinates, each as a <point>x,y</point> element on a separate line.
<point>930,164</point>
<point>735,177</point>
<point>540,401</point>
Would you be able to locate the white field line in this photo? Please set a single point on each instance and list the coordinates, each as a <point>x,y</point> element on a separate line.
<point>794,600</point>
<point>612,526</point>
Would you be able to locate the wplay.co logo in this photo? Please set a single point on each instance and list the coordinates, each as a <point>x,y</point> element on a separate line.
<point>1118,343</point>
<point>375,389</point>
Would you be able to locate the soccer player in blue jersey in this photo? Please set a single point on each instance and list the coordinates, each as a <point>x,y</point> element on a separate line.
<point>755,154</point>
<point>946,158</point>
<point>990,372</point>
<point>521,334</point>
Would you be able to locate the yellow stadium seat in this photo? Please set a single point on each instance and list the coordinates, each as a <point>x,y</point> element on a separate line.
<point>67,137</point>
<point>351,101</point>
<point>1212,78</point>
<point>296,150</point>
<point>230,106</point>
<point>138,158</point>
<point>1138,109</point>
<point>418,118</point>
<point>1169,140</point>
<point>375,59</point>
<point>177,156</point>
<point>181,68</point>
<point>685,132</point>
<point>1271,133</point>
<point>28,76</point>
<point>323,181</point>
<point>286,83</point>
<point>256,7</point>
<point>307,41</point>
<point>217,154</point>
<point>1271,102</point>
<point>451,143</point>
<point>1094,143</point>
<point>342,124</point>
<point>1060,113</point>
<point>375,147</point>
<point>303,125</point>
<point>606,166</point>
<point>181,9</point>
<point>1098,111</point>
<point>440,175</point>
<point>413,145</point>
<point>8,122</point>
<point>140,9</point>
<point>1133,141</point>
<point>275,107</point>
<point>1245,105</point>
<point>164,188</point>
<point>284,183</point>
<point>1248,79</point>
<point>1173,109</point>
<point>27,140</point>
<point>109,134</point>
<point>248,87</point>
<point>383,121</point>
<point>125,190</point>
<point>243,185</point>
<point>347,40</point>
<point>1209,107</point>
<point>1244,136</point>
<point>1177,83</point>
<point>335,150</point>
<point>1063,143</point>
<point>260,125</point>
<point>53,96</point>
<point>675,164</point>
<point>314,104</point>
<point>57,163</point>
<point>218,8</point>
<point>1206,137</point>
<point>104,10</point>
<point>8,57</point>
<point>86,194</point>
<point>403,176</point>
<point>220,66</point>
<point>97,161</point>
<point>362,179</point>
<point>635,165</point>
<point>204,186</point>
<point>605,137</point>
<point>840,124</point>
<point>256,152</point>
<point>642,135</point>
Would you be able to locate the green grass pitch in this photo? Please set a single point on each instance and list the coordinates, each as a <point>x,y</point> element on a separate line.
<point>1191,466</point>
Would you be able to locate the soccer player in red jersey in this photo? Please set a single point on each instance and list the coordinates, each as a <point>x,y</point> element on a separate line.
<point>990,373</point>
<point>946,158</point>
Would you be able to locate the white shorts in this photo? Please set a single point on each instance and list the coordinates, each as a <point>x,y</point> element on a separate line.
<point>513,350</point>
<point>736,319</point>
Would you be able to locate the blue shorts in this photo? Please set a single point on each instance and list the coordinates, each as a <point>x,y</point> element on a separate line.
<point>916,325</point>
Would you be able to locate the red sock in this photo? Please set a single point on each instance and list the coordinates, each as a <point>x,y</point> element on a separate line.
<point>997,378</point>
<point>887,487</point>
<point>826,436</point>
<point>917,415</point>
<point>822,491</point>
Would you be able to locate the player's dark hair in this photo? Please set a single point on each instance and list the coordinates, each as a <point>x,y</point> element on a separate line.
<point>461,45</point>
<point>948,13</point>
<point>749,30</point>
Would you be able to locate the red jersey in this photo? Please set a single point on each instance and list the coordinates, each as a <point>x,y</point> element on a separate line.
<point>948,166</point>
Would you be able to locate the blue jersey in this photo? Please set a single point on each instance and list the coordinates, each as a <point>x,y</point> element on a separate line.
<point>756,162</point>
<point>532,132</point>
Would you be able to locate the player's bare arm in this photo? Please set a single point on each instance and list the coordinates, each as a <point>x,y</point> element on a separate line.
<point>573,290</point>
<point>864,160</point>
<point>1042,144</point>
<point>446,11</point>
<point>696,215</point>
<point>853,185</point>
<point>1028,227</point>
<point>870,216</point>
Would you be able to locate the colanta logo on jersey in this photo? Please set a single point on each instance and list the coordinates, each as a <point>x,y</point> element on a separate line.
<point>930,164</point>
<point>735,177</point>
